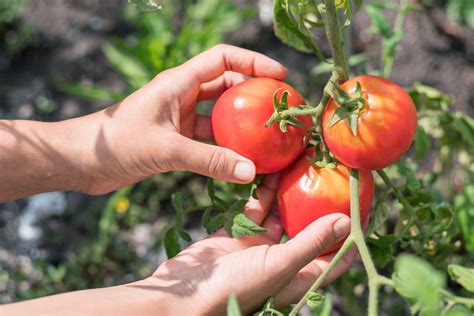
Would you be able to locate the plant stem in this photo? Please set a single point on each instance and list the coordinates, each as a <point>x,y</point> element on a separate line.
<point>356,230</point>
<point>397,28</point>
<point>411,211</point>
<point>469,302</point>
<point>333,33</point>
<point>319,281</point>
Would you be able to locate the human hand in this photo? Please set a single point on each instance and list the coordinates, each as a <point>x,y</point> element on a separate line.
<point>202,277</point>
<point>153,130</point>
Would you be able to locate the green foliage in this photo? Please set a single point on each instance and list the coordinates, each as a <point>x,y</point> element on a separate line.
<point>464,204</point>
<point>159,43</point>
<point>226,211</point>
<point>463,276</point>
<point>16,34</point>
<point>417,281</point>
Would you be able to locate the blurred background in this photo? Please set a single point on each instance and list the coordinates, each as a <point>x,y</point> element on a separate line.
<point>61,59</point>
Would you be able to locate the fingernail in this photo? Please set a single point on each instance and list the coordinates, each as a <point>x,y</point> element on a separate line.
<point>342,227</point>
<point>244,171</point>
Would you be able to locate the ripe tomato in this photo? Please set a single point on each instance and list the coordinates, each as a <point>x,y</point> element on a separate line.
<point>385,129</point>
<point>306,193</point>
<point>238,123</point>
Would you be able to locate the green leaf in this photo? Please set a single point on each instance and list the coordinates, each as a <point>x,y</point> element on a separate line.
<point>287,29</point>
<point>56,274</point>
<point>464,210</point>
<point>458,310</point>
<point>215,223</point>
<point>233,308</point>
<point>314,300</point>
<point>241,225</point>
<point>172,245</point>
<point>128,65</point>
<point>185,236</point>
<point>463,276</point>
<point>380,24</point>
<point>420,283</point>
<point>422,143</point>
<point>381,249</point>
<point>182,202</point>
<point>379,216</point>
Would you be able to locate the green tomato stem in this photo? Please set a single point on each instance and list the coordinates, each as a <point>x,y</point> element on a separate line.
<point>408,207</point>
<point>323,276</point>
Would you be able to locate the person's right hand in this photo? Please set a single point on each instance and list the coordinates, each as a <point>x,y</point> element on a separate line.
<point>200,279</point>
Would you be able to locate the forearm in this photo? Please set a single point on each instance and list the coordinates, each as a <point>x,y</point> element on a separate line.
<point>137,298</point>
<point>39,157</point>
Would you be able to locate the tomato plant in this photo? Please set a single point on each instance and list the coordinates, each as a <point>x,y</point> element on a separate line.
<point>238,123</point>
<point>307,192</point>
<point>380,125</point>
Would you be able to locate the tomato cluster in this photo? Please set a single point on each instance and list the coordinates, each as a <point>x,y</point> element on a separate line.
<point>382,129</point>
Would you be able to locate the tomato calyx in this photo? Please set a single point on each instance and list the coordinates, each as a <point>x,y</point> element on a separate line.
<point>349,107</point>
<point>321,160</point>
<point>279,115</point>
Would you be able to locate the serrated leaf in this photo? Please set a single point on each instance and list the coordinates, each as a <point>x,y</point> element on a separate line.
<point>381,249</point>
<point>420,283</point>
<point>340,114</point>
<point>314,300</point>
<point>171,242</point>
<point>463,276</point>
<point>241,225</point>
<point>288,31</point>
<point>233,308</point>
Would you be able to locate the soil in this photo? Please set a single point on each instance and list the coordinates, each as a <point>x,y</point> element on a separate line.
<point>69,36</point>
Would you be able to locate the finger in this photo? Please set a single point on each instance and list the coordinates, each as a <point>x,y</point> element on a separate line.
<point>203,128</point>
<point>212,63</point>
<point>212,161</point>
<point>273,224</point>
<point>305,278</point>
<point>257,209</point>
<point>213,89</point>
<point>310,243</point>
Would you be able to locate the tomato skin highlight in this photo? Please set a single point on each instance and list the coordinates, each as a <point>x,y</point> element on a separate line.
<point>306,193</point>
<point>386,126</point>
<point>238,123</point>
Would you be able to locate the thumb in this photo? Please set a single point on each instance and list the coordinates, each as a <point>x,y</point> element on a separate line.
<point>311,242</point>
<point>213,161</point>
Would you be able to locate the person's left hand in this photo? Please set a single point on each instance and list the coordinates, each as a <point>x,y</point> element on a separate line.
<point>201,277</point>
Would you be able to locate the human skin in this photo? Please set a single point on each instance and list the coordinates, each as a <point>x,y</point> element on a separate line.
<point>200,279</point>
<point>151,131</point>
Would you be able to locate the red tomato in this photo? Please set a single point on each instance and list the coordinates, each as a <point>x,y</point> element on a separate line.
<point>238,123</point>
<point>306,193</point>
<point>385,129</point>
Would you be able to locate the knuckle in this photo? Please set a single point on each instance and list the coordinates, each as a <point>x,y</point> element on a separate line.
<point>319,244</point>
<point>217,163</point>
